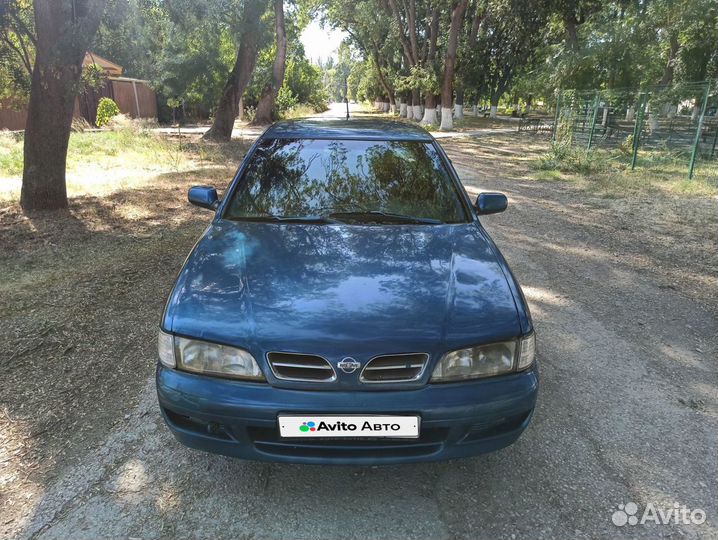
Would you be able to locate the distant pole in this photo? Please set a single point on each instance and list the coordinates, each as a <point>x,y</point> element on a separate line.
<point>556,116</point>
<point>638,126</point>
<point>346,95</point>
<point>593,121</point>
<point>697,140</point>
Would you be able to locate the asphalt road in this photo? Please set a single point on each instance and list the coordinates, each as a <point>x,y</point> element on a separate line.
<point>627,413</point>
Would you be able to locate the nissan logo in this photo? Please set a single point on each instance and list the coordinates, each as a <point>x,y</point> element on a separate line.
<point>348,365</point>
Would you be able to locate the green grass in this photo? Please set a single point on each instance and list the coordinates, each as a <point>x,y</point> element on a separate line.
<point>301,110</point>
<point>608,172</point>
<point>11,158</point>
<point>123,147</point>
<point>103,162</point>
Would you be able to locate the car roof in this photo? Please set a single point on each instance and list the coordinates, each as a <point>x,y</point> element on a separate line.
<point>354,128</point>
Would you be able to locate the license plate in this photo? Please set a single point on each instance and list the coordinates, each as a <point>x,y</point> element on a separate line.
<point>373,426</point>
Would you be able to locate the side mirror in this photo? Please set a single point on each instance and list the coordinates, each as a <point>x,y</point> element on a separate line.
<point>203,196</point>
<point>491,203</point>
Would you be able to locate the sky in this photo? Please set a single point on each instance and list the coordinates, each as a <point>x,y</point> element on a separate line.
<point>321,42</point>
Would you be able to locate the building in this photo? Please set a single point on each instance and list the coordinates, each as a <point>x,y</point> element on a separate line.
<point>134,97</point>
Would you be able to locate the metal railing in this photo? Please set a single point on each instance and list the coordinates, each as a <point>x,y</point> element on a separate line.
<point>679,119</point>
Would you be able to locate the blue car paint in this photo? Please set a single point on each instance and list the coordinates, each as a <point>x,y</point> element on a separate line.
<point>337,290</point>
<point>462,419</point>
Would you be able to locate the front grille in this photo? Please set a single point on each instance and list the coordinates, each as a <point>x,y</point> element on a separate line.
<point>300,367</point>
<point>268,441</point>
<point>391,368</point>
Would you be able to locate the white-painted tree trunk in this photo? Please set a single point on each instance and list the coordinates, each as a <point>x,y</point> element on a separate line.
<point>475,110</point>
<point>630,113</point>
<point>458,111</point>
<point>447,120</point>
<point>695,113</point>
<point>402,109</point>
<point>494,110</point>
<point>429,117</point>
<point>393,109</point>
<point>417,112</point>
<point>605,117</point>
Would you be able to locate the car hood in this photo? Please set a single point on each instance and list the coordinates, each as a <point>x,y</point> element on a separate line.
<point>338,290</point>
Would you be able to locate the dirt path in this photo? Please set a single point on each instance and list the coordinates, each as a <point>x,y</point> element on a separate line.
<point>623,294</point>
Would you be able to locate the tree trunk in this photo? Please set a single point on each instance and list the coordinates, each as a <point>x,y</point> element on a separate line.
<point>64,31</point>
<point>402,108</point>
<point>571,25</point>
<point>495,96</point>
<point>669,69</point>
<point>459,104</point>
<point>696,109</point>
<point>229,104</point>
<point>382,79</point>
<point>415,106</point>
<point>429,110</point>
<point>265,108</point>
<point>447,91</point>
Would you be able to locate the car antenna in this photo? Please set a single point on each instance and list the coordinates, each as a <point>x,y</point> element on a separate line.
<point>346,94</point>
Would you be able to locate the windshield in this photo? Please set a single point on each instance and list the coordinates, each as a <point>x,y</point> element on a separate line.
<point>347,181</point>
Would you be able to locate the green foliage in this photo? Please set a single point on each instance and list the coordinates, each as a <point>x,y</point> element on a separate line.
<point>11,158</point>
<point>304,80</point>
<point>285,99</point>
<point>625,45</point>
<point>626,146</point>
<point>570,159</point>
<point>93,77</point>
<point>336,74</point>
<point>107,109</point>
<point>16,51</point>
<point>187,48</point>
<point>420,78</point>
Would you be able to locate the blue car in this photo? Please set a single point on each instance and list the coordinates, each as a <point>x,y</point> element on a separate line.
<point>346,306</point>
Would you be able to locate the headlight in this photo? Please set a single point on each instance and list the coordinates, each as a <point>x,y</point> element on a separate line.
<point>208,358</point>
<point>486,360</point>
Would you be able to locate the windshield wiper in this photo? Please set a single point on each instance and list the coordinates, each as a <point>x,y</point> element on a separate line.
<point>283,219</point>
<point>376,215</point>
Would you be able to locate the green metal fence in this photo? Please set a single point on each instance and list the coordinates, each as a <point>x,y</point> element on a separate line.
<point>679,120</point>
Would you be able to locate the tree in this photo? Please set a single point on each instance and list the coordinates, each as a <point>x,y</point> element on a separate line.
<point>65,29</point>
<point>265,108</point>
<point>466,64</point>
<point>509,37</point>
<point>447,88</point>
<point>372,36</point>
<point>407,23</point>
<point>17,50</point>
<point>228,108</point>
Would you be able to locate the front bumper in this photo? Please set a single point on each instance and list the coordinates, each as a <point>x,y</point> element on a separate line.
<point>240,419</point>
